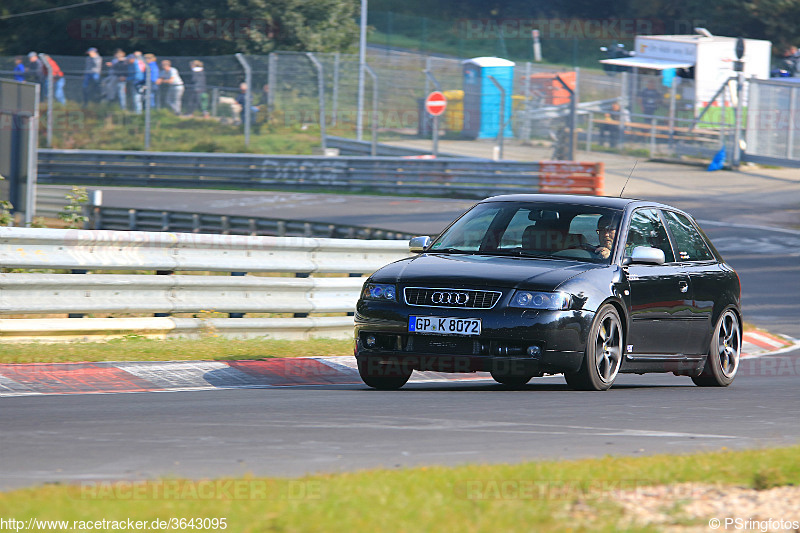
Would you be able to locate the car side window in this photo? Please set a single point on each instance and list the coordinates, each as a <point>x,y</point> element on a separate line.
<point>688,242</point>
<point>646,229</point>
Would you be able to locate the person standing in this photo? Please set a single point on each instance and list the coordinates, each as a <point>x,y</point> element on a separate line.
<point>155,73</point>
<point>171,78</point>
<point>197,97</point>
<point>41,70</point>
<point>136,79</point>
<point>19,69</point>
<point>119,72</point>
<point>91,76</point>
<point>650,99</point>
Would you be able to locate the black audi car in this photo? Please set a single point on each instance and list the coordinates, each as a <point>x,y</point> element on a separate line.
<point>527,285</point>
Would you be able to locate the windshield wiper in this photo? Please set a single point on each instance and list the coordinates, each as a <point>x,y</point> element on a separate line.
<point>450,251</point>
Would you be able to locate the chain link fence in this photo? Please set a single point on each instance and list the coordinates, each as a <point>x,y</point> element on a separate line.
<point>615,110</point>
<point>773,119</point>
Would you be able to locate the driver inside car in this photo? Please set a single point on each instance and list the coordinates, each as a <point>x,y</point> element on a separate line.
<point>606,231</point>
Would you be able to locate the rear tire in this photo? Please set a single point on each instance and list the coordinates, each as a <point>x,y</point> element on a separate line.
<point>383,376</point>
<point>724,351</point>
<point>603,356</point>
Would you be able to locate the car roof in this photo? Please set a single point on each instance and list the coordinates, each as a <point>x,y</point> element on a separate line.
<point>573,199</point>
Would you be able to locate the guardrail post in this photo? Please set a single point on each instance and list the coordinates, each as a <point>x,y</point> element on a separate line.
<point>163,273</point>
<point>132,219</point>
<point>353,275</point>
<point>77,271</point>
<point>237,315</point>
<point>301,275</point>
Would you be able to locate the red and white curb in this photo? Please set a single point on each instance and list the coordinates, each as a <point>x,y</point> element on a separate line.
<point>758,343</point>
<point>173,376</point>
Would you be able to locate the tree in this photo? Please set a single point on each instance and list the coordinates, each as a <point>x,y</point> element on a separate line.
<point>181,27</point>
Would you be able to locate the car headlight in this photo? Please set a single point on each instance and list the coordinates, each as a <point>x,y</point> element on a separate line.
<point>379,291</point>
<point>555,301</point>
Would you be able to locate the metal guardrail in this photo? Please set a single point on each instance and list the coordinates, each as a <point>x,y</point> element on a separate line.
<point>24,293</point>
<point>468,178</point>
<point>350,147</point>
<point>115,218</point>
<point>28,248</point>
<point>50,201</point>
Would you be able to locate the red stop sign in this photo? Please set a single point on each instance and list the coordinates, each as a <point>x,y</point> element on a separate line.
<point>435,103</point>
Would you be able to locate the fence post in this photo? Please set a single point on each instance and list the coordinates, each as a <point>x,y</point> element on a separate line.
<point>374,150</point>
<point>573,96</point>
<point>623,105</point>
<point>148,96</point>
<point>248,97</point>
<point>671,122</point>
<point>272,76</point>
<point>362,61</point>
<point>335,105</point>
<point>321,83</point>
<point>214,101</point>
<point>43,59</point>
<point>525,127</point>
<point>429,75</point>
<point>501,120</point>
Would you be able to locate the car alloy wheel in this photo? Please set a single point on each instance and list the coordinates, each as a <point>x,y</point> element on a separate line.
<point>603,355</point>
<point>725,350</point>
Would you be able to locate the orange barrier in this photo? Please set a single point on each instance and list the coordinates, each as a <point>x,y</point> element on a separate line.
<point>571,177</point>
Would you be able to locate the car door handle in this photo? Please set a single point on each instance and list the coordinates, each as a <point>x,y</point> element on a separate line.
<point>683,286</point>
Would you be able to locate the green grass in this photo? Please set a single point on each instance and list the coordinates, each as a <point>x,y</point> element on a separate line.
<point>135,348</point>
<point>105,127</point>
<point>533,496</point>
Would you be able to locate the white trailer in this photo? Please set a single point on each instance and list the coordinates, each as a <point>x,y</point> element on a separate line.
<point>712,58</point>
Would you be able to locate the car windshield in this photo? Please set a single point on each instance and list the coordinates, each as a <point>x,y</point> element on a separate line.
<point>533,229</point>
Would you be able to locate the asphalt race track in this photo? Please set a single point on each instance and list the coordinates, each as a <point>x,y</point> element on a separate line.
<point>296,430</point>
<point>293,431</point>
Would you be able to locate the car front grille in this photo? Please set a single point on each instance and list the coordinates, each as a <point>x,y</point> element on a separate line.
<point>454,298</point>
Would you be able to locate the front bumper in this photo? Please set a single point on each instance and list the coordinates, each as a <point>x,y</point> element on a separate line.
<point>511,340</point>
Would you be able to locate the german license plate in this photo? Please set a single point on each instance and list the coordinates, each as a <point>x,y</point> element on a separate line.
<point>444,325</point>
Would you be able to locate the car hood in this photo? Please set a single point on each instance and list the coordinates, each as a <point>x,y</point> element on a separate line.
<point>457,270</point>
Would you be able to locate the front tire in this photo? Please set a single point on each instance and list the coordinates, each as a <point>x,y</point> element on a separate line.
<point>510,379</point>
<point>603,356</point>
<point>724,352</point>
<point>381,376</point>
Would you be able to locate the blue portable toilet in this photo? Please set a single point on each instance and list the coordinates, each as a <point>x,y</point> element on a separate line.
<point>482,97</point>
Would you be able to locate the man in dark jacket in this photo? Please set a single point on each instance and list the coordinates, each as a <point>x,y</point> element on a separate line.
<point>197,98</point>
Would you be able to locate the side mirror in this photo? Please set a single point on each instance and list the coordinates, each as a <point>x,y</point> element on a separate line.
<point>418,244</point>
<point>646,255</point>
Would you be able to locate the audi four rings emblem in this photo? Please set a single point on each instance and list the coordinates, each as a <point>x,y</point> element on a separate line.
<point>453,298</point>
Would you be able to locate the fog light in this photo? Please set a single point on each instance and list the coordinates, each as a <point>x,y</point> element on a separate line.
<point>534,351</point>
<point>371,341</point>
